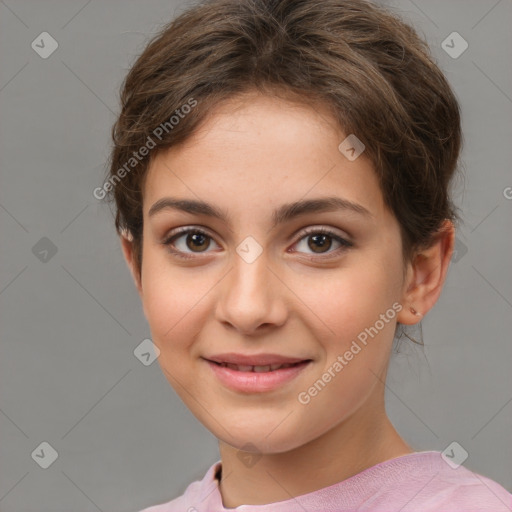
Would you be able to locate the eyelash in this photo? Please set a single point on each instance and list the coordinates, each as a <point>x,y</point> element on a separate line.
<point>345,244</point>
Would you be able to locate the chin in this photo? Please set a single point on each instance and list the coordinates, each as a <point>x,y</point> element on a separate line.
<point>254,440</point>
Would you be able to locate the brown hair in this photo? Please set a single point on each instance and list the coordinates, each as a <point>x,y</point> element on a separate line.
<point>370,68</point>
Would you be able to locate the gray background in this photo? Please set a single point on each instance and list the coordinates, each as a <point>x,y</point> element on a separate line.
<point>70,324</point>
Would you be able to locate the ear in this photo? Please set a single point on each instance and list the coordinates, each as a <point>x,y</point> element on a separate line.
<point>426,275</point>
<point>128,252</point>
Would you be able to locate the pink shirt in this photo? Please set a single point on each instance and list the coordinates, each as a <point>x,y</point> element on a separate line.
<point>419,482</point>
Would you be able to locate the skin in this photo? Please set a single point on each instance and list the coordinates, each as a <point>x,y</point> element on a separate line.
<point>253,154</point>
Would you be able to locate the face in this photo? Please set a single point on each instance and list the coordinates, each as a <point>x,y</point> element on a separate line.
<point>265,284</point>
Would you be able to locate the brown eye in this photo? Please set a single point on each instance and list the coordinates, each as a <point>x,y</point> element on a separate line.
<point>197,240</point>
<point>187,242</point>
<point>319,243</point>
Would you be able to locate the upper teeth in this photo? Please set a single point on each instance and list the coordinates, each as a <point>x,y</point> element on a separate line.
<point>248,368</point>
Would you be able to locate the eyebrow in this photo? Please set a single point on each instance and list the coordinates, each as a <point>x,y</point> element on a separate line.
<point>284,213</point>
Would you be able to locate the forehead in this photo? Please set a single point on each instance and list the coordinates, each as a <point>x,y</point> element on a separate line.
<point>260,150</point>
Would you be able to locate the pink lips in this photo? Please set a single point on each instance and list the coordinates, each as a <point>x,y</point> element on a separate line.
<point>254,360</point>
<point>257,373</point>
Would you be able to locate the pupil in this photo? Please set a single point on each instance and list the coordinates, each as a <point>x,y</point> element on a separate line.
<point>321,240</point>
<point>198,241</point>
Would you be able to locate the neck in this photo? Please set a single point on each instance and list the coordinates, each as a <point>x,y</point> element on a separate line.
<point>359,442</point>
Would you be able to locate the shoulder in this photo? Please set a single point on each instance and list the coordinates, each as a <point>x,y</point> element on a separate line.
<point>194,496</point>
<point>471,491</point>
<point>450,489</point>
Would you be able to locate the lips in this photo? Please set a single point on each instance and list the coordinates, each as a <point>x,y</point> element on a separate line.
<point>258,363</point>
<point>256,368</point>
<point>261,373</point>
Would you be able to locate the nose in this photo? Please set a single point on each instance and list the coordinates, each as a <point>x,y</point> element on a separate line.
<point>251,297</point>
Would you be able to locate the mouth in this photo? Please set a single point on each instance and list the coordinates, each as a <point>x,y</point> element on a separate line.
<point>267,373</point>
<point>259,368</point>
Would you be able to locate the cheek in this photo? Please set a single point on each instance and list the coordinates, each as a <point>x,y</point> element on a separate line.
<point>356,341</point>
<point>346,301</point>
<point>172,300</point>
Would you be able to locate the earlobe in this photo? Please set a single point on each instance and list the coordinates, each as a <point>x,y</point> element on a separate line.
<point>128,252</point>
<point>426,276</point>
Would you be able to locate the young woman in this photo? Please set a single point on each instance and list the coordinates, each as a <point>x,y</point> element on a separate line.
<point>281,175</point>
